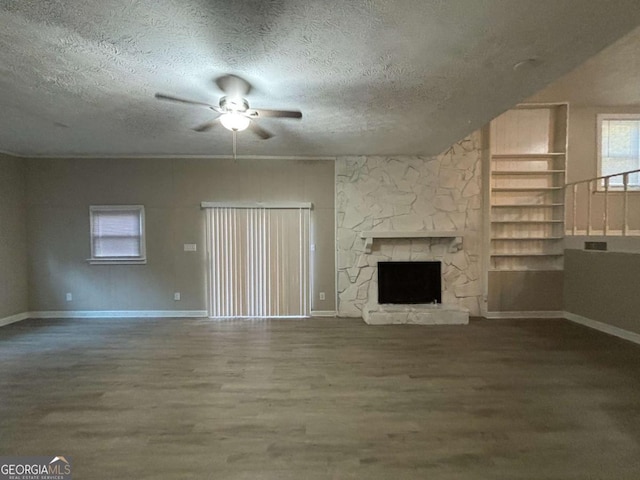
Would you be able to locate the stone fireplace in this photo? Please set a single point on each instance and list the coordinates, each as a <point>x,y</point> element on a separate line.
<point>376,311</point>
<point>410,292</point>
<point>402,209</point>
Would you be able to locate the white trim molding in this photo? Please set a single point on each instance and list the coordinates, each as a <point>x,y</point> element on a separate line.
<point>305,205</point>
<point>603,327</point>
<point>13,318</point>
<point>12,154</point>
<point>119,314</point>
<point>130,314</point>
<point>168,156</point>
<point>534,314</point>
<point>324,313</point>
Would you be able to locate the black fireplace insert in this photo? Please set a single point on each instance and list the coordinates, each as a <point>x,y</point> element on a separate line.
<point>409,282</point>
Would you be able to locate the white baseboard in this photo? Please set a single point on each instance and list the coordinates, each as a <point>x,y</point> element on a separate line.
<point>323,313</point>
<point>603,327</point>
<point>126,314</point>
<point>14,318</point>
<point>119,314</point>
<point>533,314</point>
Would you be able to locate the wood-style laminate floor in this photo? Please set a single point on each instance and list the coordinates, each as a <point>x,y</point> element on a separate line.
<point>321,399</point>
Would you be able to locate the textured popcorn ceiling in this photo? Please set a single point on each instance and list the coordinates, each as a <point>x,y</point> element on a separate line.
<point>370,76</point>
<point>610,78</point>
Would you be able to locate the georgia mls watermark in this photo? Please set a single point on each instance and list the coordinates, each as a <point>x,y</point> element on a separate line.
<point>35,468</point>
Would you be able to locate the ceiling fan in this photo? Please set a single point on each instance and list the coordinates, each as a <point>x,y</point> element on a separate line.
<point>233,110</point>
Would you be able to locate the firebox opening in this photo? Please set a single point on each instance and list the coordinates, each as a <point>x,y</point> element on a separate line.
<point>409,282</point>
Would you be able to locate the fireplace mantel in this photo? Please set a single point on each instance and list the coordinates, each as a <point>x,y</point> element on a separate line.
<point>455,236</point>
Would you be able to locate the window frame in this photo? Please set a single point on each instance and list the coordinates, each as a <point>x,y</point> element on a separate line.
<point>600,117</point>
<point>141,259</point>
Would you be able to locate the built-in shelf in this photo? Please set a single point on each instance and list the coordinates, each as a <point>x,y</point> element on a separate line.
<point>528,205</point>
<point>455,236</point>
<point>525,172</point>
<point>527,221</point>
<point>527,254</point>
<point>518,239</point>
<point>524,189</point>
<point>526,269</point>
<point>526,155</point>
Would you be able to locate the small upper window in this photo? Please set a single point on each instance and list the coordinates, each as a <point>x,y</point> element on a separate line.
<point>619,148</point>
<point>117,234</point>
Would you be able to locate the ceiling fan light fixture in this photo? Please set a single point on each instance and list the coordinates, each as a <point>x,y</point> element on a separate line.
<point>234,121</point>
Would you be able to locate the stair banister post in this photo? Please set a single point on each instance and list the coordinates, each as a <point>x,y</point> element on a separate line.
<point>625,207</point>
<point>589,201</point>
<point>575,208</point>
<point>605,214</point>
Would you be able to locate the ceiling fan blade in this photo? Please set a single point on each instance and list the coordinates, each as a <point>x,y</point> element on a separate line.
<point>233,85</point>
<point>205,127</point>
<point>261,132</point>
<point>162,96</point>
<point>264,112</point>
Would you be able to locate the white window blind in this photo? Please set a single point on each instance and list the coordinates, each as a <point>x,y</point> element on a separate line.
<point>259,262</point>
<point>117,233</point>
<point>620,147</point>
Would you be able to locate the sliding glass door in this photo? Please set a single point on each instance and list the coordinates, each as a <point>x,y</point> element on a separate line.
<point>258,261</point>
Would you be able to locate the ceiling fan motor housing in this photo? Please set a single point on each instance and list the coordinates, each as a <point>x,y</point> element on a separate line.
<point>234,104</point>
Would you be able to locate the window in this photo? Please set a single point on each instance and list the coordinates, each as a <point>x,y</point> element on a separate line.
<point>619,148</point>
<point>117,234</point>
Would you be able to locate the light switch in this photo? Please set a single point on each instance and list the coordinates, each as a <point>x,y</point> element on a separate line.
<point>190,247</point>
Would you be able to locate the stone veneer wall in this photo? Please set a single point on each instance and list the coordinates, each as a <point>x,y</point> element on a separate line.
<point>404,193</point>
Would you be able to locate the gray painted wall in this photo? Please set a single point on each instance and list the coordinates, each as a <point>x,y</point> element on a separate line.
<point>582,151</point>
<point>582,164</point>
<point>599,286</point>
<point>603,286</point>
<point>525,291</point>
<point>60,192</point>
<point>13,237</point>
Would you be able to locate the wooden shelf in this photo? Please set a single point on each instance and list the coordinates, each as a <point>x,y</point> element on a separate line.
<point>528,269</point>
<point>524,189</point>
<point>529,205</point>
<point>526,172</point>
<point>518,239</point>
<point>527,221</point>
<point>527,254</point>
<point>527,155</point>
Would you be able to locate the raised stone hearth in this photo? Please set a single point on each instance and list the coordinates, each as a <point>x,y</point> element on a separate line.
<point>420,314</point>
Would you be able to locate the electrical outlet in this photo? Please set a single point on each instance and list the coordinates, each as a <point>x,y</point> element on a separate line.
<point>69,297</point>
<point>176,296</point>
<point>190,247</point>
<point>322,296</point>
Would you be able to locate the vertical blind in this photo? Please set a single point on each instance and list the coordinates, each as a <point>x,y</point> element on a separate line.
<point>259,262</point>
